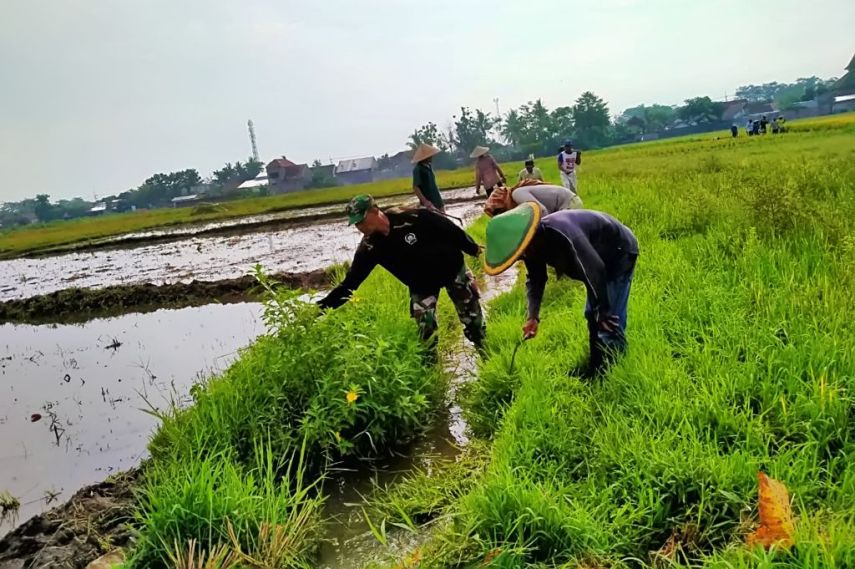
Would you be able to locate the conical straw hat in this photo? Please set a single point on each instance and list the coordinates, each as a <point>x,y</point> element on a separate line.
<point>424,151</point>
<point>479,151</point>
<point>508,235</point>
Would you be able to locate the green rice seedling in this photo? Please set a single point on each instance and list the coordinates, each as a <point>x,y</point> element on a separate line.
<point>741,360</point>
<point>218,503</point>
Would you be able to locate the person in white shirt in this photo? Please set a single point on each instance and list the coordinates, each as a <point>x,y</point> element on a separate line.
<point>568,159</point>
<point>530,172</point>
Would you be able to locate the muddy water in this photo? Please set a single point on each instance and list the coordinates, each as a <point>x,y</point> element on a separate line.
<point>86,386</point>
<point>293,249</point>
<point>289,215</point>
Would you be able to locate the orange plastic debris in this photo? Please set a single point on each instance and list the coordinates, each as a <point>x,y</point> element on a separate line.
<point>776,515</point>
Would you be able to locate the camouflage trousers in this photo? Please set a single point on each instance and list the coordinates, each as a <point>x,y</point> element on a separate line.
<point>463,292</point>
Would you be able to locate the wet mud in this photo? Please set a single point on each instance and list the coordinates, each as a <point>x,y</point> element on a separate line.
<point>292,250</point>
<point>93,522</point>
<point>80,304</point>
<point>234,226</point>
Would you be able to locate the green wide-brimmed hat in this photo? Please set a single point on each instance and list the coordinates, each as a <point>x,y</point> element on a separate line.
<point>508,234</point>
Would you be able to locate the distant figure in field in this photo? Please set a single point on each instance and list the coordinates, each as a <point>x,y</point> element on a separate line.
<point>487,170</point>
<point>775,127</point>
<point>755,127</point>
<point>749,127</point>
<point>568,159</point>
<point>530,172</point>
<point>734,130</point>
<point>424,180</point>
<point>764,123</point>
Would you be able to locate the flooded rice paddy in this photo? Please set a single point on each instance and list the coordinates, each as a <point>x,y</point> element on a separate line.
<point>73,398</point>
<point>210,258</point>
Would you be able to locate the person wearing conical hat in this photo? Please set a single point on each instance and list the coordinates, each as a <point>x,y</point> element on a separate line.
<point>584,245</point>
<point>487,170</point>
<point>424,180</point>
<point>530,172</point>
<point>424,250</point>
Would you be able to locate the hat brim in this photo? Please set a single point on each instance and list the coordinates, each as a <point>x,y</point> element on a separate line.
<point>478,153</point>
<point>494,270</point>
<point>421,154</point>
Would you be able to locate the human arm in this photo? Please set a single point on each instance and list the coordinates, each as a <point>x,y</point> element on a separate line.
<point>450,232</point>
<point>535,284</point>
<point>499,171</point>
<point>579,157</point>
<point>477,177</point>
<point>538,175</point>
<point>422,199</point>
<point>364,262</point>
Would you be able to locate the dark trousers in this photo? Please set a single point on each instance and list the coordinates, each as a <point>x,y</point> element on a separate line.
<point>609,344</point>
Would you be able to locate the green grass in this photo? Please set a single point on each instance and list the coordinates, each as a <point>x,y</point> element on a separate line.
<point>741,359</point>
<point>57,234</point>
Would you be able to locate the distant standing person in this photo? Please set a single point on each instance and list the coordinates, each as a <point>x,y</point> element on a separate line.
<point>775,127</point>
<point>734,130</point>
<point>530,172</point>
<point>749,127</point>
<point>487,170</point>
<point>764,123</point>
<point>424,180</point>
<point>568,159</point>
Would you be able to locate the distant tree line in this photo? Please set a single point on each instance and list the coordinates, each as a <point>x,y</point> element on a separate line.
<point>156,191</point>
<point>531,128</point>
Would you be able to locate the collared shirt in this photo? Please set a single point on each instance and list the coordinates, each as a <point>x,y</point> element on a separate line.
<point>585,245</point>
<point>486,172</point>
<point>535,174</point>
<point>425,180</point>
<point>424,250</point>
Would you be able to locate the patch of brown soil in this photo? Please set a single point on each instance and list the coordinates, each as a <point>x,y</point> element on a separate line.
<point>93,522</point>
<point>81,304</point>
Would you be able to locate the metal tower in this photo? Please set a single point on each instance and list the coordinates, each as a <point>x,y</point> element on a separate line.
<point>252,140</point>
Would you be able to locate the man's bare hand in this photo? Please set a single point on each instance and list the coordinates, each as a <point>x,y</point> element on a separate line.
<point>609,324</point>
<point>530,329</point>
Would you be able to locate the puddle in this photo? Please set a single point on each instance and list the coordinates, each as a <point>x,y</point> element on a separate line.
<point>87,385</point>
<point>210,258</point>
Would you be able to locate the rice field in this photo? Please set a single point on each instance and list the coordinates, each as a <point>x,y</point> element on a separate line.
<point>741,360</point>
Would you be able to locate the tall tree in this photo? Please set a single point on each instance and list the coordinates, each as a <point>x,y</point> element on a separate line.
<point>591,121</point>
<point>428,134</point>
<point>700,110</point>
<point>472,129</point>
<point>43,208</point>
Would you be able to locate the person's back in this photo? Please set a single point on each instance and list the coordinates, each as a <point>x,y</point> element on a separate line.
<point>612,240</point>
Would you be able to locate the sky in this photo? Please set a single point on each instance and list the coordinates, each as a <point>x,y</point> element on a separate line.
<point>97,95</point>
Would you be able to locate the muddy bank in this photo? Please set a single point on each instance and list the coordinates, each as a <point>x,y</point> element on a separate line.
<point>214,258</point>
<point>82,304</point>
<point>235,226</point>
<point>93,522</point>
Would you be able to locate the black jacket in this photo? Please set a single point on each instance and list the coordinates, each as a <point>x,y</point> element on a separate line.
<point>585,245</point>
<point>424,250</point>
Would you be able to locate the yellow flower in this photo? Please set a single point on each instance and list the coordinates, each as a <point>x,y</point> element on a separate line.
<point>352,396</point>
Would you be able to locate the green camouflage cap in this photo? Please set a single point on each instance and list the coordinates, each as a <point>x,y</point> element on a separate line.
<point>358,207</point>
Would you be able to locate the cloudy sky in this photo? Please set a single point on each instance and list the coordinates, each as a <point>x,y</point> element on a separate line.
<point>96,95</point>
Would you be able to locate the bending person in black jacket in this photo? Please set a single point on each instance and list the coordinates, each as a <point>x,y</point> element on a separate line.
<point>422,249</point>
